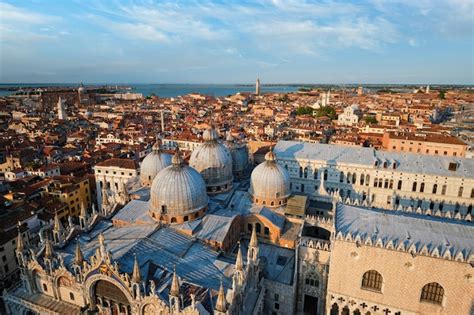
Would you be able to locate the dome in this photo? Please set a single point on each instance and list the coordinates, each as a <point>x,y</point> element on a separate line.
<point>240,156</point>
<point>178,193</point>
<point>214,161</point>
<point>270,182</point>
<point>152,164</point>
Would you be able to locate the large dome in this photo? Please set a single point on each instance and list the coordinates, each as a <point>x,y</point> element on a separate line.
<point>214,161</point>
<point>270,183</point>
<point>178,193</point>
<point>240,156</point>
<point>152,164</point>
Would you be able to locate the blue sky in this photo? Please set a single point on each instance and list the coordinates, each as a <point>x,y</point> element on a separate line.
<point>377,41</point>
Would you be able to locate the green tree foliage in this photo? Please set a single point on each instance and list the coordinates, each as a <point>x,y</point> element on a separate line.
<point>370,120</point>
<point>304,110</point>
<point>441,95</point>
<point>326,111</point>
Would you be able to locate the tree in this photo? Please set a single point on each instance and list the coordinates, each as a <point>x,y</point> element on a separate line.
<point>370,120</point>
<point>304,110</point>
<point>442,95</point>
<point>326,111</point>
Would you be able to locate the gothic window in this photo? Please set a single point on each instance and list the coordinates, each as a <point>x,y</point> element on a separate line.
<point>399,185</point>
<point>301,172</point>
<point>334,309</point>
<point>341,177</point>
<point>315,174</point>
<point>385,184</point>
<point>376,182</point>
<point>391,184</point>
<point>472,193</point>
<point>422,187</point>
<point>367,180</point>
<point>413,187</point>
<point>361,181</point>
<point>460,191</point>
<point>348,178</point>
<point>435,188</point>
<point>443,190</point>
<point>354,178</point>
<point>45,287</point>
<point>372,280</point>
<point>305,172</point>
<point>325,174</point>
<point>432,292</point>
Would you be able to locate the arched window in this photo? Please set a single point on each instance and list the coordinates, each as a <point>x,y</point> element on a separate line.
<point>301,172</point>
<point>186,218</point>
<point>354,178</point>
<point>367,180</point>
<point>399,185</point>
<point>334,309</point>
<point>258,227</point>
<point>391,184</point>
<point>362,177</point>
<point>435,188</point>
<point>266,231</point>
<point>469,209</point>
<point>71,296</point>
<point>422,187</point>
<point>45,287</point>
<point>325,174</point>
<point>173,220</point>
<point>372,280</point>
<point>305,172</point>
<point>341,177</point>
<point>315,174</point>
<point>432,292</point>
<point>413,187</point>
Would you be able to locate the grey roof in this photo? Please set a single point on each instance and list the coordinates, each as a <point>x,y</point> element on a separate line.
<point>214,227</point>
<point>419,230</point>
<point>135,210</point>
<point>406,162</point>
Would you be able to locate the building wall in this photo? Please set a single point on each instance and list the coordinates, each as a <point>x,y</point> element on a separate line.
<point>112,177</point>
<point>383,191</point>
<point>423,147</point>
<point>279,298</point>
<point>8,264</point>
<point>403,275</point>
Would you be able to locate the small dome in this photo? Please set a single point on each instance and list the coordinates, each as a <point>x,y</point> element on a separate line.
<point>240,156</point>
<point>152,164</point>
<point>178,193</point>
<point>214,161</point>
<point>270,182</point>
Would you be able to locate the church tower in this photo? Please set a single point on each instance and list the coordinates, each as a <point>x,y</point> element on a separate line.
<point>257,87</point>
<point>61,110</point>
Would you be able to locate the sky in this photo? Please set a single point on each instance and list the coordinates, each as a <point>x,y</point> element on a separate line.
<point>292,41</point>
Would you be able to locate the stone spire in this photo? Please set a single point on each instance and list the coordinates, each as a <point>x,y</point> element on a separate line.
<point>239,262</point>
<point>61,111</point>
<point>20,246</point>
<point>102,249</point>
<point>105,198</point>
<point>48,249</point>
<point>136,271</point>
<point>253,238</point>
<point>221,304</point>
<point>174,291</point>
<point>210,134</point>
<point>58,227</point>
<point>322,190</point>
<point>156,146</point>
<point>78,257</point>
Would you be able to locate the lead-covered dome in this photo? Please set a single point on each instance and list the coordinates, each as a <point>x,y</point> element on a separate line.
<point>152,164</point>
<point>178,193</point>
<point>213,160</point>
<point>270,183</point>
<point>240,156</point>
